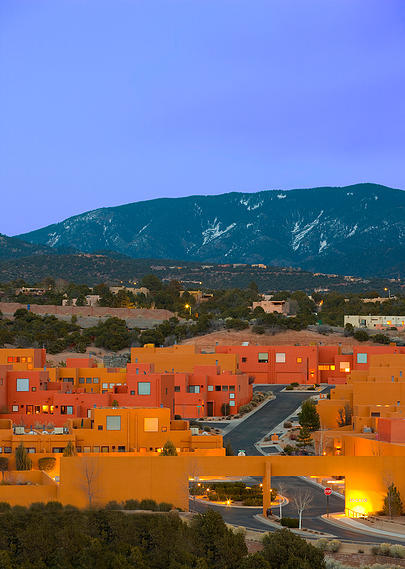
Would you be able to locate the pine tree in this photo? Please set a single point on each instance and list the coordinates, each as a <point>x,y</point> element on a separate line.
<point>169,449</point>
<point>304,437</point>
<point>308,416</point>
<point>22,460</point>
<point>229,449</point>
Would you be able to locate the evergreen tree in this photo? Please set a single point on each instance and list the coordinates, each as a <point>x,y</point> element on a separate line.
<point>169,449</point>
<point>308,416</point>
<point>229,449</point>
<point>69,449</point>
<point>392,502</point>
<point>304,437</point>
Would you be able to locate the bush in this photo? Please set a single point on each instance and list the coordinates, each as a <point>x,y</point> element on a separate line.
<point>321,543</point>
<point>148,505</point>
<point>295,384</point>
<point>4,507</point>
<point>289,522</point>
<point>289,388</point>
<point>22,460</point>
<point>361,336</point>
<point>333,545</point>
<point>165,507</point>
<point>113,505</point>
<point>54,506</point>
<point>381,339</point>
<point>287,425</point>
<point>47,463</point>
<point>253,501</point>
<point>257,329</point>
<point>131,505</point>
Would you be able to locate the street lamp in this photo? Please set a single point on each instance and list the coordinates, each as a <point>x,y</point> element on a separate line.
<point>188,307</point>
<point>389,291</point>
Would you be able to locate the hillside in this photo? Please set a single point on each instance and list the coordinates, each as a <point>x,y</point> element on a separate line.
<point>357,230</point>
<point>13,248</point>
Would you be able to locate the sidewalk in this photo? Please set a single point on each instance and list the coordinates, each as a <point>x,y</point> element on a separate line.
<point>340,520</point>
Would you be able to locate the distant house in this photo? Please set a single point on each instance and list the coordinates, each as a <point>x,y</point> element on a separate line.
<point>269,306</point>
<point>377,322</point>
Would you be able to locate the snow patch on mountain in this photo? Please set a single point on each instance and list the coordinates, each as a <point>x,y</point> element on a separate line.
<point>353,231</point>
<point>301,233</point>
<point>213,231</point>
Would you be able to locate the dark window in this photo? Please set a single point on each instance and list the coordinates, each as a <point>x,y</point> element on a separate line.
<point>177,387</point>
<point>121,448</point>
<point>81,379</point>
<point>7,450</point>
<point>375,413</point>
<point>244,360</point>
<point>224,388</point>
<point>217,388</point>
<point>105,449</point>
<point>231,388</point>
<point>88,380</point>
<point>132,392</point>
<point>193,389</point>
<point>96,380</point>
<point>100,427</point>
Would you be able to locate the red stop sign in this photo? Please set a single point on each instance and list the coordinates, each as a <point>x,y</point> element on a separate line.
<point>327,491</point>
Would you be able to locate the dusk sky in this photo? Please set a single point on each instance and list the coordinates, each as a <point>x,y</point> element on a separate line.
<point>109,102</point>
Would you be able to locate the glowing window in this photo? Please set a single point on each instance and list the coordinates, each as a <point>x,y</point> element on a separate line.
<point>15,408</point>
<point>151,425</point>
<point>333,367</point>
<point>299,360</point>
<point>280,358</point>
<point>324,367</point>
<point>344,366</point>
<point>361,358</point>
<point>263,357</point>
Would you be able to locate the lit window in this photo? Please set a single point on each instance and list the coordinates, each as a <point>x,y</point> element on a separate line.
<point>323,367</point>
<point>144,388</point>
<point>344,366</point>
<point>193,389</point>
<point>96,380</point>
<point>69,410</point>
<point>333,367</point>
<point>10,359</point>
<point>231,403</point>
<point>113,423</point>
<point>132,393</point>
<point>151,425</point>
<point>299,360</point>
<point>361,358</point>
<point>15,408</point>
<point>29,359</point>
<point>263,357</point>
<point>105,385</point>
<point>231,396</point>
<point>23,384</point>
<point>280,358</point>
<point>210,388</point>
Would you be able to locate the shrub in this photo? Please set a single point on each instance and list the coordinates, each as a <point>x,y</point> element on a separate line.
<point>165,507</point>
<point>295,384</point>
<point>257,329</point>
<point>47,463</point>
<point>69,449</point>
<point>148,505</point>
<point>131,505</point>
<point>289,388</point>
<point>253,501</point>
<point>321,543</point>
<point>361,336</point>
<point>4,507</point>
<point>3,465</point>
<point>22,460</point>
<point>333,545</point>
<point>113,505</point>
<point>289,522</point>
<point>37,507</point>
<point>169,449</point>
<point>54,506</point>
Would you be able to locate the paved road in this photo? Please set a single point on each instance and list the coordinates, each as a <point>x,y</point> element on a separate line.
<point>245,434</point>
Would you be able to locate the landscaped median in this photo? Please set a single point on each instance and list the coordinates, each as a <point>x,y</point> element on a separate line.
<point>232,493</point>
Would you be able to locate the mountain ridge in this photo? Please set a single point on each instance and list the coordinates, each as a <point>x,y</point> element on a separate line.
<point>357,229</point>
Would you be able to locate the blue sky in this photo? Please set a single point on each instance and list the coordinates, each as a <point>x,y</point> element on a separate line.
<point>109,102</point>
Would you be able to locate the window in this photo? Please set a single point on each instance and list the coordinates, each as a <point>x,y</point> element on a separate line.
<point>210,388</point>
<point>231,388</point>
<point>132,392</point>
<point>96,380</point>
<point>263,358</point>
<point>105,385</point>
<point>333,367</point>
<point>224,388</point>
<point>375,413</point>
<point>144,388</point>
<point>113,423</point>
<point>31,450</point>
<point>361,358</point>
<point>299,360</point>
<point>33,388</point>
<point>29,409</point>
<point>66,410</point>
<point>193,389</point>
<point>81,379</point>
<point>344,366</point>
<point>23,384</point>
<point>217,388</point>
<point>121,448</point>
<point>7,450</point>
<point>88,380</point>
<point>231,403</point>
<point>177,387</point>
<point>86,449</point>
<point>29,359</point>
<point>137,370</point>
<point>244,360</point>
<point>105,449</point>
<point>23,360</point>
<point>151,425</point>
<point>96,449</point>
<point>280,358</point>
<point>10,359</point>
<point>15,408</point>
<point>231,396</point>
<point>323,367</point>
<point>67,379</point>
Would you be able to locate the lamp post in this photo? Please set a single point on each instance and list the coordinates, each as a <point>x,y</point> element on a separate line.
<point>188,307</point>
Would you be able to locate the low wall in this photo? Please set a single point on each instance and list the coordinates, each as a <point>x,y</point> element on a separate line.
<point>39,487</point>
<point>135,317</point>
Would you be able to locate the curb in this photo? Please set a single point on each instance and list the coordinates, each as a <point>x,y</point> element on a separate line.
<point>308,535</point>
<point>368,531</point>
